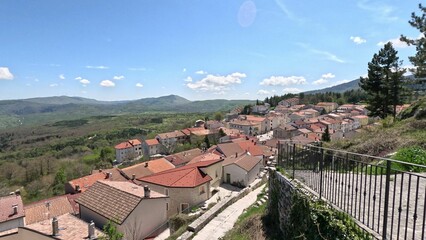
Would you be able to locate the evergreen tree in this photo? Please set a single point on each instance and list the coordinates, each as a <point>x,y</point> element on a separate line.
<point>326,136</point>
<point>419,60</point>
<point>59,181</point>
<point>383,82</point>
<point>207,142</point>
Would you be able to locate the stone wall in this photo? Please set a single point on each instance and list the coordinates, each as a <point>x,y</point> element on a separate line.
<point>281,190</point>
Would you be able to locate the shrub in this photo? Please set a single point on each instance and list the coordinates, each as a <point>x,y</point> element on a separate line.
<point>414,154</point>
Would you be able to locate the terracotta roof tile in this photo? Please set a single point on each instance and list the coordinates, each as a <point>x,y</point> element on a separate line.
<point>87,181</point>
<point>47,209</point>
<point>114,200</point>
<point>184,157</point>
<point>205,157</point>
<point>185,177</point>
<point>6,207</point>
<point>128,144</point>
<point>148,168</point>
<point>251,147</point>
<point>151,142</point>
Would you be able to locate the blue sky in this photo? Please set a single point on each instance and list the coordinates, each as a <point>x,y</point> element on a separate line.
<point>198,49</point>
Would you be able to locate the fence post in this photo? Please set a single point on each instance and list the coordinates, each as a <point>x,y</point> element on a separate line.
<point>294,158</point>
<point>321,166</point>
<point>385,213</point>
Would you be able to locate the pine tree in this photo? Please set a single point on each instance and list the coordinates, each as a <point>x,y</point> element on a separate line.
<point>419,60</point>
<point>326,136</point>
<point>384,82</point>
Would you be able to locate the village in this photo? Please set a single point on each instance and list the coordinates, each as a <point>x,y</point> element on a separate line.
<point>141,198</point>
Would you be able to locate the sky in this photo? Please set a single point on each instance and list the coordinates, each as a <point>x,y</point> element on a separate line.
<point>197,49</point>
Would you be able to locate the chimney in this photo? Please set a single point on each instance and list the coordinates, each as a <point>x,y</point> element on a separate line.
<point>55,227</point>
<point>133,176</point>
<point>91,230</point>
<point>77,188</point>
<point>147,191</point>
<point>236,155</point>
<point>146,164</point>
<point>15,209</point>
<point>17,192</point>
<point>100,170</point>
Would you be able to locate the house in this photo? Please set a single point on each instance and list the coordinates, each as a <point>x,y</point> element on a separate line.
<point>182,158</point>
<point>249,128</point>
<point>47,209</point>
<point>186,186</point>
<point>129,150</point>
<point>169,140</point>
<point>65,227</point>
<point>241,170</point>
<point>362,119</point>
<point>82,184</point>
<point>289,102</point>
<point>285,132</point>
<point>214,170</point>
<point>147,168</point>
<point>260,109</point>
<point>11,212</point>
<point>151,147</point>
<point>198,134</point>
<point>328,106</point>
<point>214,125</point>
<point>137,211</point>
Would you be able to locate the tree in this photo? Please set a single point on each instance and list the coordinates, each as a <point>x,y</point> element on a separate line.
<point>59,181</point>
<point>218,116</point>
<point>111,231</point>
<point>419,60</point>
<point>326,136</point>
<point>207,142</point>
<point>383,83</point>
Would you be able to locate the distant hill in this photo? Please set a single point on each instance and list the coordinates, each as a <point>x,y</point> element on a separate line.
<point>352,85</point>
<point>49,109</point>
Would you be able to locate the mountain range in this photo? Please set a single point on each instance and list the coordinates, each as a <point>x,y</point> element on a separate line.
<point>48,109</point>
<point>340,88</point>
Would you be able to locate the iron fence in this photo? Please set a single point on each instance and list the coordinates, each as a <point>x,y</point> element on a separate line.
<point>385,195</point>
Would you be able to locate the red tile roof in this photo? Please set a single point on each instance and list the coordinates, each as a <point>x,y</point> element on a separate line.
<point>87,181</point>
<point>184,157</point>
<point>151,142</point>
<point>251,147</point>
<point>246,162</point>
<point>6,207</point>
<point>205,157</point>
<point>188,176</point>
<point>128,144</point>
<point>148,168</point>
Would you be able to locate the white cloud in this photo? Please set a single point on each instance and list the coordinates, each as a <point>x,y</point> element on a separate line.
<point>62,76</point>
<point>395,42</point>
<point>97,67</point>
<point>358,40</point>
<point>53,85</point>
<point>328,56</point>
<point>263,92</point>
<point>84,81</point>
<point>139,85</point>
<point>137,69</point>
<point>201,72</point>
<point>292,90</point>
<point>184,70</point>
<point>5,74</point>
<point>118,77</point>
<point>188,79</point>
<point>216,83</point>
<point>36,80</point>
<point>283,81</point>
<point>320,81</point>
<point>78,78</point>
<point>107,83</point>
<point>328,76</point>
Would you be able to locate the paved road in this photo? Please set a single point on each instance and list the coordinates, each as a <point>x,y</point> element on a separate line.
<point>225,221</point>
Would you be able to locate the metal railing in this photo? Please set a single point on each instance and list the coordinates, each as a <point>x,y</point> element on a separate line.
<point>383,194</point>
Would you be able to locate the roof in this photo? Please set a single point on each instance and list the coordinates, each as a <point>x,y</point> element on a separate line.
<point>148,168</point>
<point>87,181</point>
<point>184,157</point>
<point>47,209</point>
<point>70,227</point>
<point>254,118</point>
<point>6,207</point>
<point>175,134</point>
<point>245,161</point>
<point>229,149</point>
<point>188,176</point>
<point>151,142</point>
<point>114,200</point>
<point>128,144</point>
<point>250,147</point>
<point>205,157</point>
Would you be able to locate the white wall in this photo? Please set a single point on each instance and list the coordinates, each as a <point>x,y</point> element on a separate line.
<point>237,174</point>
<point>215,172</point>
<point>17,222</point>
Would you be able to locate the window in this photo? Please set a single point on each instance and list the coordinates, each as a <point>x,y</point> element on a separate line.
<point>184,207</point>
<point>167,206</point>
<point>166,192</point>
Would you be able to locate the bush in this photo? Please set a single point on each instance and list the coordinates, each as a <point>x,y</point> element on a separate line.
<point>414,154</point>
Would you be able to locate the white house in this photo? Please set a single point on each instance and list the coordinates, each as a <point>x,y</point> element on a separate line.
<point>137,211</point>
<point>11,212</point>
<point>241,170</point>
<point>129,150</point>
